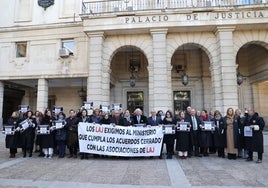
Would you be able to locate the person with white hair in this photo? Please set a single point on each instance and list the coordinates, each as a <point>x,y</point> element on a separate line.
<point>153,120</point>
<point>139,118</point>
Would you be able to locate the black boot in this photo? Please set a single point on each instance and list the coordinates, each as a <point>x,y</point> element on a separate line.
<point>24,153</point>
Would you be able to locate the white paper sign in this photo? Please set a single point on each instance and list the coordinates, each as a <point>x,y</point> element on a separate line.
<point>183,126</point>
<point>208,125</point>
<point>248,131</point>
<point>87,106</point>
<point>168,129</point>
<point>58,125</point>
<point>105,109</point>
<point>43,130</point>
<point>25,124</point>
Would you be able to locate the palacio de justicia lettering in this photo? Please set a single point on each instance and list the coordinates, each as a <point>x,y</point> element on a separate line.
<point>148,54</point>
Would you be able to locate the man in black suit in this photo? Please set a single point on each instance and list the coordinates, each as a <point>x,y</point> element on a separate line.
<point>116,118</point>
<point>188,112</point>
<point>153,120</point>
<point>139,118</point>
<point>196,124</point>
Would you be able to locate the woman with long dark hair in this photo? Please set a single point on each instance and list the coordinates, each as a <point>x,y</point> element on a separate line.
<point>183,138</point>
<point>169,138</point>
<point>11,140</point>
<point>27,135</point>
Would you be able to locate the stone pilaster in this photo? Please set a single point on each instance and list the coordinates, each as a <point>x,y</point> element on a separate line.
<point>227,67</point>
<point>1,103</point>
<point>160,76</point>
<point>42,95</point>
<point>98,82</point>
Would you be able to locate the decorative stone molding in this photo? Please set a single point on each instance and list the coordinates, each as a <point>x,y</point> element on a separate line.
<point>65,64</point>
<point>19,62</point>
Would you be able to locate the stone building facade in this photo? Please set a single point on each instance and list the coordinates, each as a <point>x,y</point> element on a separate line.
<point>154,44</point>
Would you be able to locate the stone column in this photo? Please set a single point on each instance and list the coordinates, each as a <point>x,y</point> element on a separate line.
<point>1,103</point>
<point>227,67</point>
<point>216,94</point>
<point>42,95</point>
<point>98,82</point>
<point>160,93</point>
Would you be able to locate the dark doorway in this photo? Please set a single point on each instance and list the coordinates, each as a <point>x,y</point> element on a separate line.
<point>134,100</point>
<point>12,99</point>
<point>182,99</point>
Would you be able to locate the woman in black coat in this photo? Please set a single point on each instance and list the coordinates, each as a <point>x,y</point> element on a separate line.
<point>47,141</point>
<point>255,143</point>
<point>169,138</point>
<point>61,134</point>
<point>11,140</point>
<point>27,135</point>
<point>183,138</point>
<point>84,119</point>
<point>219,134</point>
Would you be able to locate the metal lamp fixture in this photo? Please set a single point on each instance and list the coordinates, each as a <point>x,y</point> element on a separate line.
<point>132,81</point>
<point>82,93</point>
<point>134,66</point>
<point>239,78</point>
<point>182,69</point>
<point>185,79</point>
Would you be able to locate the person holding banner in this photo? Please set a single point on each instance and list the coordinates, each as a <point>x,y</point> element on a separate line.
<point>183,137</point>
<point>106,119</point>
<point>169,138</point>
<point>28,134</point>
<point>139,118</point>
<point>11,140</point>
<point>85,119</point>
<point>72,141</point>
<point>117,119</point>
<point>153,120</point>
<point>47,140</point>
<point>255,144</point>
<point>96,116</point>
<point>127,118</point>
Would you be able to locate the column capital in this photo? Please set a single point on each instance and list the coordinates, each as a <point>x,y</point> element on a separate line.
<point>1,102</point>
<point>159,31</point>
<point>96,34</point>
<point>224,29</point>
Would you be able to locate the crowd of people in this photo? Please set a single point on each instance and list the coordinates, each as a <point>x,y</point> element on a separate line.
<point>234,135</point>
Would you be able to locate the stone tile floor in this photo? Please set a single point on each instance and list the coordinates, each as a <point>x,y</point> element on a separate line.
<point>136,172</point>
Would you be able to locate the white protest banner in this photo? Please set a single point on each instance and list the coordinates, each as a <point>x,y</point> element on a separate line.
<point>119,140</point>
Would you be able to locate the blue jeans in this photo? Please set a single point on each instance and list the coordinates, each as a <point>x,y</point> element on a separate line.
<point>62,147</point>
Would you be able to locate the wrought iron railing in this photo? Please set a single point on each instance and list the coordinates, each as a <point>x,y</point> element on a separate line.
<point>111,6</point>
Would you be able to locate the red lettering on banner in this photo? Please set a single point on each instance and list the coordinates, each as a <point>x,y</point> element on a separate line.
<point>150,150</point>
<point>99,130</point>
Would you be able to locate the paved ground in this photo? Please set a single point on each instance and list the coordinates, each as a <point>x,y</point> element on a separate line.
<point>133,173</point>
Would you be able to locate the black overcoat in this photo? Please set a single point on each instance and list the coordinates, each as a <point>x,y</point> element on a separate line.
<point>255,143</point>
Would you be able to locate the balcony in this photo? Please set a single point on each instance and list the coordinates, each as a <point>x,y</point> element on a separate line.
<point>125,6</point>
